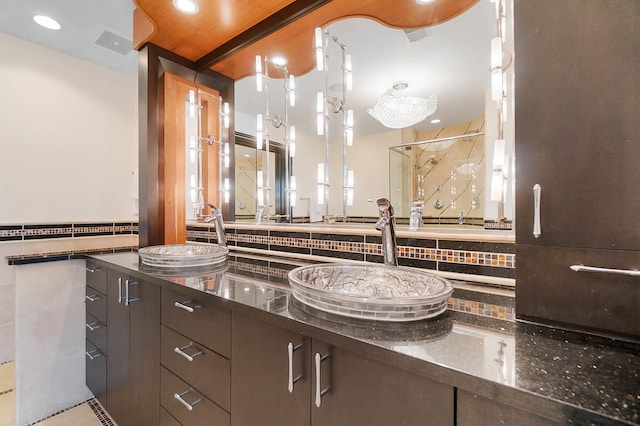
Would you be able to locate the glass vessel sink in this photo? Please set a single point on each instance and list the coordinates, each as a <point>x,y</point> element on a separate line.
<point>386,293</point>
<point>183,255</point>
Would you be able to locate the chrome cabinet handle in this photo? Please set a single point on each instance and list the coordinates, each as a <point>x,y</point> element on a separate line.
<point>92,297</point>
<point>189,406</point>
<point>292,380</point>
<point>186,307</point>
<point>93,354</point>
<point>119,290</point>
<point>536,210</point>
<point>93,326</point>
<point>186,355</point>
<point>583,268</point>
<point>92,270</point>
<point>319,390</point>
<point>127,299</point>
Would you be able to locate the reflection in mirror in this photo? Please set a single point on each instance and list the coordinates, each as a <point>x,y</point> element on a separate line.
<point>443,175</point>
<point>249,162</point>
<point>450,60</point>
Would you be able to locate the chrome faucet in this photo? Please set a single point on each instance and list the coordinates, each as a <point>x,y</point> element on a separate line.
<point>415,215</point>
<point>387,224</point>
<point>216,215</point>
<point>259,214</point>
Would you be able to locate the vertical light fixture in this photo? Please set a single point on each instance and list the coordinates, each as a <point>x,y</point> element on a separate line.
<point>319,49</point>
<point>321,184</point>
<point>320,113</point>
<point>263,137</point>
<point>259,76</point>
<point>259,135</point>
<point>338,105</point>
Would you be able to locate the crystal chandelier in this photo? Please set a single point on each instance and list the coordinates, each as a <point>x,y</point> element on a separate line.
<point>397,111</point>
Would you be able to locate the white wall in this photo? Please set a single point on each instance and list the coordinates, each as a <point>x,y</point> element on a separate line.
<point>68,137</point>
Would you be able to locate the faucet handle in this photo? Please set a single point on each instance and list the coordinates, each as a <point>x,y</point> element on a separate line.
<point>384,205</point>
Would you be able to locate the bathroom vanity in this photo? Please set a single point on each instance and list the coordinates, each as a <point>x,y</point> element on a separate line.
<point>231,346</point>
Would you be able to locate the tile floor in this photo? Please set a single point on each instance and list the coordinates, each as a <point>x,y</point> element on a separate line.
<point>89,413</point>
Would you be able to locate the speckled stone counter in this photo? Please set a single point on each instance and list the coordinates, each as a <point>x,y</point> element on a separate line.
<point>567,377</point>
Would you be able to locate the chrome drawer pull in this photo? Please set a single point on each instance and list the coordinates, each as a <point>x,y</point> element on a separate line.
<point>186,307</point>
<point>536,210</point>
<point>119,290</point>
<point>92,270</point>
<point>582,268</point>
<point>292,380</point>
<point>93,326</point>
<point>319,390</point>
<point>127,299</point>
<point>93,354</point>
<point>93,297</point>
<point>179,396</point>
<point>186,355</point>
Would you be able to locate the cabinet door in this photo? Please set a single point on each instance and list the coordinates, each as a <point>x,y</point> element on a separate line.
<point>118,389</point>
<point>133,350</point>
<point>361,391</point>
<point>577,126</point>
<point>144,353</point>
<point>260,375</point>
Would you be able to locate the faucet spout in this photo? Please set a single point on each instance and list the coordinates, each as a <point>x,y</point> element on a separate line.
<point>216,216</point>
<point>387,224</point>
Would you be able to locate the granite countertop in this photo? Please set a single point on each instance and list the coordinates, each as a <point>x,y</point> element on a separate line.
<point>575,377</point>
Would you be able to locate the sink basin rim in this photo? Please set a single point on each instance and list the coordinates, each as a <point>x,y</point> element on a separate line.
<point>386,308</point>
<point>169,256</point>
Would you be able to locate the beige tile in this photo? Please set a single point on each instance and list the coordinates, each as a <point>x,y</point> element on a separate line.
<point>7,409</point>
<point>80,415</point>
<point>7,377</point>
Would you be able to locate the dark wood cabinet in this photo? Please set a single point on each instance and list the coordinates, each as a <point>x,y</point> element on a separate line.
<point>260,372</point>
<point>577,98</point>
<point>133,350</point>
<point>96,331</point>
<point>353,389</point>
<point>196,369</point>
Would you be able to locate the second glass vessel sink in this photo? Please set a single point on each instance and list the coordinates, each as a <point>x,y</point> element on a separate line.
<point>387,293</point>
<point>183,255</point>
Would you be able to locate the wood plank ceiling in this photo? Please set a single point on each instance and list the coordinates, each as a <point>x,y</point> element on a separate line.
<point>226,35</point>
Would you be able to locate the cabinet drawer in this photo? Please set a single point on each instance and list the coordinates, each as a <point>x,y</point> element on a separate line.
<point>209,372</point>
<point>203,320</point>
<point>167,419</point>
<point>203,412</point>
<point>96,303</point>
<point>96,333</point>
<point>97,277</point>
<point>96,370</point>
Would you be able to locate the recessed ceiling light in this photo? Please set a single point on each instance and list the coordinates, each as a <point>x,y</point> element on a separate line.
<point>435,121</point>
<point>424,1</point>
<point>186,6</point>
<point>47,22</point>
<point>279,61</point>
<point>247,155</point>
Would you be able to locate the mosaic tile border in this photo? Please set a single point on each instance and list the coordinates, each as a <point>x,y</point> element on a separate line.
<point>481,309</point>
<point>95,406</point>
<point>22,232</point>
<point>100,412</point>
<point>467,257</point>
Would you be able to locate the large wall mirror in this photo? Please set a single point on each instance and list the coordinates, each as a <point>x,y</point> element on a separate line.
<point>445,161</point>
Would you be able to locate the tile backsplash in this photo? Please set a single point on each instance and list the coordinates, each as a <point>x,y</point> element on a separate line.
<point>25,232</point>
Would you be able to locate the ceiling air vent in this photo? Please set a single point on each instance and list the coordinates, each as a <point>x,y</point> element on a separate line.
<point>415,35</point>
<point>114,42</point>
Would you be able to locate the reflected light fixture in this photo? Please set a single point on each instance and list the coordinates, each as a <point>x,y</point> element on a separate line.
<point>396,111</point>
<point>47,22</point>
<point>186,6</point>
<point>424,1</point>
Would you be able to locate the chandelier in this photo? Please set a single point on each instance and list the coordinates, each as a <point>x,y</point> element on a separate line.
<point>396,111</point>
